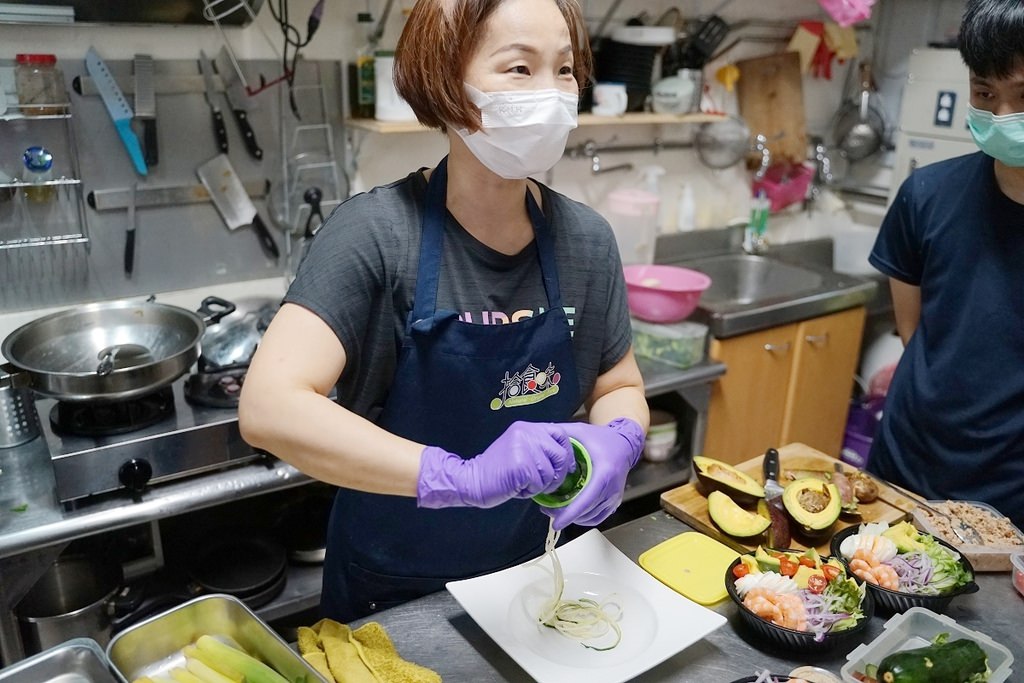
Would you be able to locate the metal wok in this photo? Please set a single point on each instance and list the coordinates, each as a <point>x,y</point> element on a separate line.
<point>111,351</point>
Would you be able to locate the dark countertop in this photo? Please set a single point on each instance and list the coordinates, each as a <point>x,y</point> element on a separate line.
<point>436,632</point>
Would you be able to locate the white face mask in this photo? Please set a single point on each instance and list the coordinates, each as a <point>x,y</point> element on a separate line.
<point>524,131</point>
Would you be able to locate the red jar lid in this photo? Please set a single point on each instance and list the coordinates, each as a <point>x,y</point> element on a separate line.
<point>36,59</point>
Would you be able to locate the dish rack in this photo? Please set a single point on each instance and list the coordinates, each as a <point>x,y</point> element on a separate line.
<point>309,159</point>
<point>44,237</point>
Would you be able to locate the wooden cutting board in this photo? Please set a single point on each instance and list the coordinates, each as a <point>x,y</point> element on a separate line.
<point>690,506</point>
<point>770,94</point>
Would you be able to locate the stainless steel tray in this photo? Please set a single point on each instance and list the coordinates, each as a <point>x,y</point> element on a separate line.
<point>80,660</point>
<point>154,646</point>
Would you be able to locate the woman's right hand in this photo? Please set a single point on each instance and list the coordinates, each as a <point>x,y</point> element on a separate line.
<point>527,459</point>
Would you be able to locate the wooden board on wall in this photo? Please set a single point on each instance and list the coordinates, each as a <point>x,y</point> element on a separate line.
<point>771,100</point>
<point>689,505</point>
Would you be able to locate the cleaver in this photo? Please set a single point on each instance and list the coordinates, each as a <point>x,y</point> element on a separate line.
<point>232,201</point>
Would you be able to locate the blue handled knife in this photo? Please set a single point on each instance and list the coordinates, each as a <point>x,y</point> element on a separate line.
<point>117,107</point>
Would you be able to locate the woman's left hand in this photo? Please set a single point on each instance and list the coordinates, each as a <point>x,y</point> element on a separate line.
<point>614,449</point>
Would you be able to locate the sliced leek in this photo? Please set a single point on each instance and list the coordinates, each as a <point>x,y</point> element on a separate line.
<point>583,620</point>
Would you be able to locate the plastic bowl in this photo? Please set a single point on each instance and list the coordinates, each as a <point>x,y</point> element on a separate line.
<point>791,639</point>
<point>1018,572</point>
<point>663,294</point>
<point>891,601</point>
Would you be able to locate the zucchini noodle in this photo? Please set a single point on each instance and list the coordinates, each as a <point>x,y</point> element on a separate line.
<point>583,620</point>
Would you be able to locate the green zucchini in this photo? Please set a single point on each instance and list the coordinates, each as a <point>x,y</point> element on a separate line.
<point>958,661</point>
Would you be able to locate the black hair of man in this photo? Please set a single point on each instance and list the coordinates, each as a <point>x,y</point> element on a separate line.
<point>991,37</point>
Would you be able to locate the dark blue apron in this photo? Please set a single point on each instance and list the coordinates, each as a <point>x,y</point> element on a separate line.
<point>457,385</point>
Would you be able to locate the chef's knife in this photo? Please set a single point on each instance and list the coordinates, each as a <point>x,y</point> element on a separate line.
<point>772,488</point>
<point>219,131</point>
<point>235,94</point>
<point>117,107</point>
<point>129,237</point>
<point>145,106</point>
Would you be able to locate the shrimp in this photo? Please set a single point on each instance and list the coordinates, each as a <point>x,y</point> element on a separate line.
<point>782,609</point>
<point>865,565</point>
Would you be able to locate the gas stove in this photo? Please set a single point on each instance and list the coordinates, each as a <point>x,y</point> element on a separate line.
<point>164,437</point>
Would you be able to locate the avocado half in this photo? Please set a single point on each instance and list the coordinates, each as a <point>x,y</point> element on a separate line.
<point>732,519</point>
<point>715,475</point>
<point>813,504</point>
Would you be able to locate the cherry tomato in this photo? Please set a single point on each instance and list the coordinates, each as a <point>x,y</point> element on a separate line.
<point>816,583</point>
<point>740,570</point>
<point>807,561</point>
<point>831,571</point>
<point>787,568</point>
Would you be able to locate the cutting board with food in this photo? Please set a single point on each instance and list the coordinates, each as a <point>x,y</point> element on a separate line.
<point>816,503</point>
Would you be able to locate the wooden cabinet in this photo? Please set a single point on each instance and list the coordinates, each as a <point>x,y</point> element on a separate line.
<point>782,385</point>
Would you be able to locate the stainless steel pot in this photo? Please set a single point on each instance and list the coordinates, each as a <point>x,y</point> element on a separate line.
<point>111,351</point>
<point>231,342</point>
<point>70,600</point>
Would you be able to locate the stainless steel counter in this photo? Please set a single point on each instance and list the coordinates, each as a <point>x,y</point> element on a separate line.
<point>434,631</point>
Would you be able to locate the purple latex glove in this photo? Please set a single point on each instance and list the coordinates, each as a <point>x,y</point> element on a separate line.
<point>614,449</point>
<point>527,459</point>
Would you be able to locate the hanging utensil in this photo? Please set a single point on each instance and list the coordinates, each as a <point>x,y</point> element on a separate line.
<point>117,106</point>
<point>232,202</point>
<point>145,106</point>
<point>129,236</point>
<point>220,133</point>
<point>236,97</point>
<point>859,127</point>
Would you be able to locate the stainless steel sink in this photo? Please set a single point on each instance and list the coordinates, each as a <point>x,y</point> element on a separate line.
<point>750,293</point>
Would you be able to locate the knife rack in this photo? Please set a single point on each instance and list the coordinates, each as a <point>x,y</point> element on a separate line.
<point>49,213</point>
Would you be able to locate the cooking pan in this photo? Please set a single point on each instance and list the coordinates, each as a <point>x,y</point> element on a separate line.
<point>231,342</point>
<point>110,351</point>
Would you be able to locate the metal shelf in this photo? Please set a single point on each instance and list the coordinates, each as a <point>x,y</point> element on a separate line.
<point>585,120</point>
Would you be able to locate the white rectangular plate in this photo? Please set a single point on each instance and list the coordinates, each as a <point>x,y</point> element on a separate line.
<point>656,621</point>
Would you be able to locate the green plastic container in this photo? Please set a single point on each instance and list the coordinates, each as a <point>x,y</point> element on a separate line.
<point>574,482</point>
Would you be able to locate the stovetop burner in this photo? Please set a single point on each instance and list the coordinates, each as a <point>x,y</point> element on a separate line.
<point>109,418</point>
<point>219,389</point>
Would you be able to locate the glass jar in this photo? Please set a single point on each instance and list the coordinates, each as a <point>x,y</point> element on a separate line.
<point>39,84</point>
<point>38,169</point>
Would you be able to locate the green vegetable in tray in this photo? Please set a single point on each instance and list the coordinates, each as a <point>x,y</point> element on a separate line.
<point>959,661</point>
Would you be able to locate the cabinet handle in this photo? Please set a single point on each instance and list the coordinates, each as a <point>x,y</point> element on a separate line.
<point>817,339</point>
<point>777,348</point>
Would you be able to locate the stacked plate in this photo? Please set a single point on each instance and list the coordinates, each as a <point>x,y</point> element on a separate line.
<point>628,58</point>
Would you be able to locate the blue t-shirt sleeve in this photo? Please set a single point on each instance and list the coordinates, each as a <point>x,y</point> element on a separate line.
<point>897,251</point>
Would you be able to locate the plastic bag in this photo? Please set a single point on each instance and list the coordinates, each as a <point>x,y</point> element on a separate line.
<point>848,12</point>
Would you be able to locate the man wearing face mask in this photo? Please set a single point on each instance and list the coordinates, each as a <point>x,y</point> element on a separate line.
<point>953,247</point>
<point>464,314</point>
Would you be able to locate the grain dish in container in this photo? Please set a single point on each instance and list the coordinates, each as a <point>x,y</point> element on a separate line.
<point>1001,538</point>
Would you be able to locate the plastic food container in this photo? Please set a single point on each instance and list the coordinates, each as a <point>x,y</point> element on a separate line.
<point>1018,572</point>
<point>681,345</point>
<point>984,558</point>
<point>79,660</point>
<point>916,628</point>
<point>154,646</point>
<point>661,436</point>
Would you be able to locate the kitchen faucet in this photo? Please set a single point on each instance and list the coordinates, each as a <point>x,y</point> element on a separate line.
<point>822,173</point>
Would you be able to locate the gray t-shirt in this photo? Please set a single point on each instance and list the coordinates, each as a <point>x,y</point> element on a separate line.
<point>359,277</point>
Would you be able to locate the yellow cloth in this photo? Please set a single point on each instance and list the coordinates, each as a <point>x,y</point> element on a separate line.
<point>365,655</point>
<point>842,40</point>
<point>805,43</point>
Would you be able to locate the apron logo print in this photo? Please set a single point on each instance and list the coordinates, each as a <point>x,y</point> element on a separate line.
<point>527,387</point>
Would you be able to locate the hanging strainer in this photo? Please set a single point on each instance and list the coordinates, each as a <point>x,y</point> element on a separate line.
<point>723,143</point>
<point>18,421</point>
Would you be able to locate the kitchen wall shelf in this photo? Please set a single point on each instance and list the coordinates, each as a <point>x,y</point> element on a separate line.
<point>585,120</point>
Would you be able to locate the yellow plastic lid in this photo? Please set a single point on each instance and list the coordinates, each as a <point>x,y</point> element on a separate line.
<point>692,564</point>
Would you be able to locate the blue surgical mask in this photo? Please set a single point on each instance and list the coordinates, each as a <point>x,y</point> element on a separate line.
<point>1000,137</point>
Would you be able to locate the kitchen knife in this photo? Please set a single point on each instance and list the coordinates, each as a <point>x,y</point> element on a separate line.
<point>219,131</point>
<point>772,488</point>
<point>145,106</point>
<point>232,201</point>
<point>235,94</point>
<point>117,107</point>
<point>129,237</point>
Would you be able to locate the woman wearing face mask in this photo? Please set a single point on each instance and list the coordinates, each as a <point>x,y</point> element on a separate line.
<point>464,314</point>
<point>953,247</point>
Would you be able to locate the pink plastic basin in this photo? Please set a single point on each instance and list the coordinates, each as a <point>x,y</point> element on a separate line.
<point>663,294</point>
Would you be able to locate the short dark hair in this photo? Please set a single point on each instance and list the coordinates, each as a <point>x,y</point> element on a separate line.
<point>436,44</point>
<point>991,37</point>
